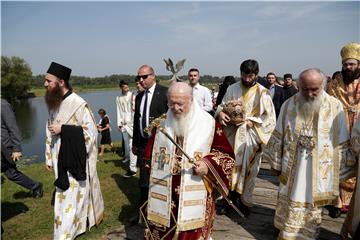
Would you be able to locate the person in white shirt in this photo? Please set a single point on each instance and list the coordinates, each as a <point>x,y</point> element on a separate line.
<point>201,94</point>
<point>125,106</point>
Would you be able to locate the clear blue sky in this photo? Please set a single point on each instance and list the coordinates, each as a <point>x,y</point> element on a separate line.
<point>104,38</point>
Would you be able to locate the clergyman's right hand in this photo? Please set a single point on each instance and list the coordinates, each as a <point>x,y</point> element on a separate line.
<point>16,156</point>
<point>49,168</point>
<point>224,118</point>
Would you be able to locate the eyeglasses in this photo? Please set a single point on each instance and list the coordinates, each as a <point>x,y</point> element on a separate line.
<point>144,77</point>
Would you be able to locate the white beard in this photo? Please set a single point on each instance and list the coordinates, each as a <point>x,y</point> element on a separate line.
<point>307,107</point>
<point>181,124</point>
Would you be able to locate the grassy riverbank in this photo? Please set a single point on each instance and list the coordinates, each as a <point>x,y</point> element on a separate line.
<point>26,218</point>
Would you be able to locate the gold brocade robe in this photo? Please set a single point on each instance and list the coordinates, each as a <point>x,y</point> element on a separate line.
<point>349,96</point>
<point>309,172</point>
<point>181,205</point>
<point>248,142</point>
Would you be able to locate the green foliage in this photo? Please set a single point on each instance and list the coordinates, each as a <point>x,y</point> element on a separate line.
<point>16,78</point>
<point>26,218</point>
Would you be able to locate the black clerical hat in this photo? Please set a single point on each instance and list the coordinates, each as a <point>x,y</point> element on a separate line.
<point>59,71</point>
<point>288,75</point>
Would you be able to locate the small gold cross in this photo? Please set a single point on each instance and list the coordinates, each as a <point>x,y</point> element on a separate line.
<point>57,221</point>
<point>66,235</point>
<point>61,197</point>
<point>67,210</point>
<point>79,196</point>
<point>76,220</point>
<point>72,185</point>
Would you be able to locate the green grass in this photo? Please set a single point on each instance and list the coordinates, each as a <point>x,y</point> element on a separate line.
<point>26,218</point>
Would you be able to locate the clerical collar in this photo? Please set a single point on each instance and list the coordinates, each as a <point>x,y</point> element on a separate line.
<point>66,94</point>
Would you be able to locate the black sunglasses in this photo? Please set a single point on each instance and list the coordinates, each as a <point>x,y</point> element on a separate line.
<point>144,77</point>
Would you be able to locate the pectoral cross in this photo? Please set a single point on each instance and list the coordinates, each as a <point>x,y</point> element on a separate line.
<point>306,142</point>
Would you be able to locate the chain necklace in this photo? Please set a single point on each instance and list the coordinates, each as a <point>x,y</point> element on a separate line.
<point>306,139</point>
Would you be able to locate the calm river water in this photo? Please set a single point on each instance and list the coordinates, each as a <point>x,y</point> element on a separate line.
<point>31,116</point>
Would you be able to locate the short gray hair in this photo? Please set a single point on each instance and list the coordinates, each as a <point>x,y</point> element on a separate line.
<point>309,71</point>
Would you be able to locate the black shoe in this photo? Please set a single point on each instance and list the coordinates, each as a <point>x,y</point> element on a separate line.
<point>334,212</point>
<point>222,207</point>
<point>134,220</point>
<point>129,174</point>
<point>38,192</point>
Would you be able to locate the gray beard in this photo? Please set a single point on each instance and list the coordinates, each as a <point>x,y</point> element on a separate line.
<point>181,124</point>
<point>308,107</point>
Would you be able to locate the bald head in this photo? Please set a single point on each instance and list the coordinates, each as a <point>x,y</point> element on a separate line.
<point>179,98</point>
<point>146,76</point>
<point>180,88</point>
<point>311,83</point>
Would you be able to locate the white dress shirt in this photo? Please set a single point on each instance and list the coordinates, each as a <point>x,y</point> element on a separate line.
<point>203,97</point>
<point>150,95</point>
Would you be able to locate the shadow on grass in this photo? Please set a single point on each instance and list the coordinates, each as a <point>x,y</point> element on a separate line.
<point>130,187</point>
<point>2,179</point>
<point>22,195</point>
<point>11,209</point>
<point>118,163</point>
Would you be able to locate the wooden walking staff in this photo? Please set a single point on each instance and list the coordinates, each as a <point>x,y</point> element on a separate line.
<point>155,124</point>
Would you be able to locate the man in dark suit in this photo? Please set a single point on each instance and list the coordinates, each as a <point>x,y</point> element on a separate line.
<point>276,92</point>
<point>11,151</point>
<point>149,104</point>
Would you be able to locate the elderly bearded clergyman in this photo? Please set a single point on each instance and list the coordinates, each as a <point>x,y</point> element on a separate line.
<point>181,202</point>
<point>308,150</point>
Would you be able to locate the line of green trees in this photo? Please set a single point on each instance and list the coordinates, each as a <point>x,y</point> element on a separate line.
<point>113,80</point>
<point>17,79</point>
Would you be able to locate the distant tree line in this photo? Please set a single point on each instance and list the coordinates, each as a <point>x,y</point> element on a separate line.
<point>113,80</point>
<point>17,79</point>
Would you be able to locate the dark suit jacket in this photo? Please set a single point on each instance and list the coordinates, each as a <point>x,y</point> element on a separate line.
<point>158,106</point>
<point>289,92</point>
<point>10,134</point>
<point>278,99</point>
